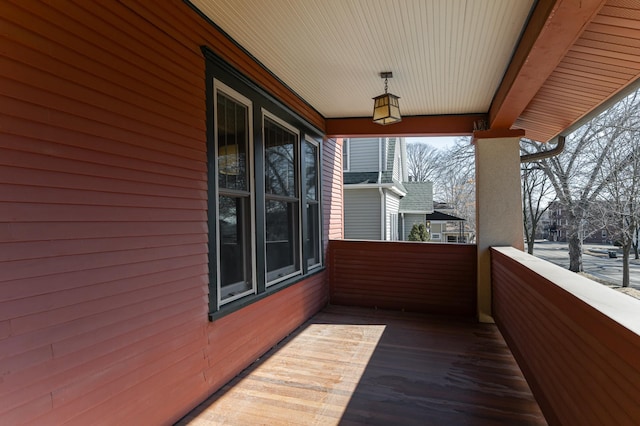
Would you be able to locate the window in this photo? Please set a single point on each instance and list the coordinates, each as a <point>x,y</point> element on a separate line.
<point>234,204</point>
<point>346,155</point>
<point>312,191</point>
<point>264,208</point>
<point>281,199</point>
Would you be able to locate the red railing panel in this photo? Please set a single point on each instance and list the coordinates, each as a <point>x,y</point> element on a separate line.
<point>418,277</point>
<point>575,340</point>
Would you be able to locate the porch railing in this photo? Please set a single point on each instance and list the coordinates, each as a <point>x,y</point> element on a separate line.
<point>576,341</point>
<point>418,277</point>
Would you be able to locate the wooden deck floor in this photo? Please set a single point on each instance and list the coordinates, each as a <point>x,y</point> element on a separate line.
<point>353,366</point>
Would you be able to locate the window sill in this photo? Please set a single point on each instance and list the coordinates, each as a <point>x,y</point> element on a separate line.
<point>243,302</point>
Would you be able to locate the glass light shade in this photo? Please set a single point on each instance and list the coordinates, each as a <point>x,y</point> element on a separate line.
<point>228,160</point>
<point>386,109</point>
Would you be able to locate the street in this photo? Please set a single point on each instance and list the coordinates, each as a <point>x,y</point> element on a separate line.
<point>595,261</point>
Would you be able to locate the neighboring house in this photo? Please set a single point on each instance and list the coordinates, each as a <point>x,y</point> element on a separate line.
<point>415,206</point>
<point>380,203</point>
<point>592,231</point>
<point>446,228</point>
<point>374,171</point>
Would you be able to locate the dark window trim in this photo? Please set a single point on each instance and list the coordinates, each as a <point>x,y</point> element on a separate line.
<point>217,68</point>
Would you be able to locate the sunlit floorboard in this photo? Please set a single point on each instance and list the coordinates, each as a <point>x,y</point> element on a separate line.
<point>352,366</point>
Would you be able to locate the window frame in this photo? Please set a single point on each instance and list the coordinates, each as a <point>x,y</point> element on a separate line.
<point>220,87</point>
<point>287,271</point>
<point>216,69</point>
<point>317,201</point>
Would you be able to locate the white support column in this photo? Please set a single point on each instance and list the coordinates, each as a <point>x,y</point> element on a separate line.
<point>498,204</point>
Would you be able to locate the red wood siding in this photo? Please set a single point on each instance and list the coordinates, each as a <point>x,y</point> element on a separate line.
<point>332,190</point>
<point>419,277</point>
<point>582,365</point>
<point>103,232</point>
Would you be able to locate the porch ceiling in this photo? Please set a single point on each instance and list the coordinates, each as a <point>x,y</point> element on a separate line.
<point>539,66</point>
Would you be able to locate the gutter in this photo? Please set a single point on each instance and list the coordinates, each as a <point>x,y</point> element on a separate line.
<point>390,186</point>
<point>527,158</point>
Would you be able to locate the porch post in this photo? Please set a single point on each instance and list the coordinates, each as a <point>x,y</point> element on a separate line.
<point>498,203</point>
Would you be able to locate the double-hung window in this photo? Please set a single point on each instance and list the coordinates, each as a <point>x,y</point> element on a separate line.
<point>235,228</point>
<point>264,208</point>
<point>282,199</point>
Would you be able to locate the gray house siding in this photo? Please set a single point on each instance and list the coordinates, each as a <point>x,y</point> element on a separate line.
<point>362,214</point>
<point>364,155</point>
<point>410,219</point>
<point>392,204</point>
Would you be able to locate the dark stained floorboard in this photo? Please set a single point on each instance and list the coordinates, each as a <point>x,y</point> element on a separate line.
<point>353,366</point>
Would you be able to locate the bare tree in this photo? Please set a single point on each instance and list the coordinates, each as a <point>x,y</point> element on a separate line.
<point>422,161</point>
<point>621,172</point>
<point>581,173</point>
<point>536,192</point>
<point>454,182</point>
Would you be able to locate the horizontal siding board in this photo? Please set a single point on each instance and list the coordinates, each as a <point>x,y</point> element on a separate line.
<point>364,155</point>
<point>61,231</point>
<point>43,21</point>
<point>103,231</point>
<point>44,138</point>
<point>63,370</point>
<point>41,88</point>
<point>362,214</point>
<point>39,212</point>
<point>154,305</point>
<point>188,344</point>
<point>50,248</point>
<point>54,173</point>
<point>18,151</point>
<point>29,411</point>
<point>38,55</point>
<point>155,369</point>
<point>37,51</point>
<point>29,287</point>
<point>109,130</point>
<point>85,295</point>
<point>103,304</point>
<point>105,196</point>
<point>431,278</point>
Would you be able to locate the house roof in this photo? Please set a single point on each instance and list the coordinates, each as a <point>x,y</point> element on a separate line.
<point>419,198</point>
<point>436,215</point>
<point>537,65</point>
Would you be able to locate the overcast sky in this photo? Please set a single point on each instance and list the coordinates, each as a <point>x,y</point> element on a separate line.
<point>439,142</point>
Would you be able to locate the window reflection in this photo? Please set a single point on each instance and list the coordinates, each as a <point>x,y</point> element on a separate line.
<point>281,200</point>
<point>232,144</point>
<point>312,236</point>
<point>234,243</point>
<point>235,255</point>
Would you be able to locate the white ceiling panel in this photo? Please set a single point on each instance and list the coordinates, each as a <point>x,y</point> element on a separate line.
<point>447,56</point>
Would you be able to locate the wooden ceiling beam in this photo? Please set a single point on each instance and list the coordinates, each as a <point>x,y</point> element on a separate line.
<point>424,125</point>
<point>553,28</point>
